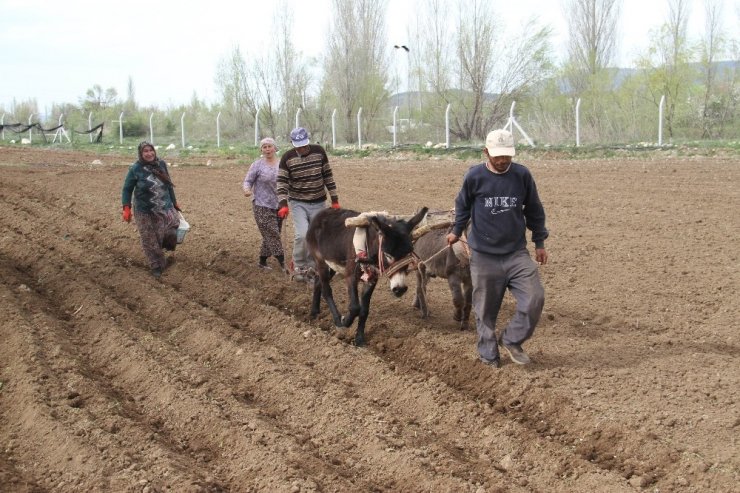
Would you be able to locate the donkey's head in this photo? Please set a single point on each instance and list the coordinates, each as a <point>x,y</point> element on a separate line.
<point>397,248</point>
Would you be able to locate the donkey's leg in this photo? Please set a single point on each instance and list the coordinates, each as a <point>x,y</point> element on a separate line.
<point>323,285</point>
<point>364,312</point>
<point>421,291</point>
<point>453,281</point>
<point>417,303</point>
<point>467,285</point>
<point>316,300</point>
<point>353,308</point>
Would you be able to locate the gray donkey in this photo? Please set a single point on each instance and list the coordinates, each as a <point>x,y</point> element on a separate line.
<point>451,263</point>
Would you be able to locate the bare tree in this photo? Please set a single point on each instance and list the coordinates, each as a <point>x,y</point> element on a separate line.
<point>435,45</point>
<point>238,92</point>
<point>474,67</point>
<point>476,56</point>
<point>592,25</point>
<point>292,75</point>
<point>357,62</point>
<point>592,46</point>
<point>431,58</point>
<point>266,83</point>
<point>711,46</point>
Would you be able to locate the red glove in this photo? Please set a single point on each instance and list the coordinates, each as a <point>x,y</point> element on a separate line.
<point>127,213</point>
<point>335,204</point>
<point>283,212</point>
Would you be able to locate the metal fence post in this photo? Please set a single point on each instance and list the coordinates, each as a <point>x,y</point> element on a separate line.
<point>218,130</point>
<point>120,128</point>
<point>257,127</point>
<point>660,120</point>
<point>447,126</point>
<point>89,125</point>
<point>30,129</point>
<point>359,130</point>
<point>182,128</point>
<point>151,129</point>
<point>395,111</point>
<point>333,129</point>
<point>578,122</point>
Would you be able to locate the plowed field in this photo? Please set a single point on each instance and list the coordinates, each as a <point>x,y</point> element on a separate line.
<point>215,379</point>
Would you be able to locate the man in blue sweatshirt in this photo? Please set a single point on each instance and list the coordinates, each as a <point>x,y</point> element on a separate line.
<point>499,198</point>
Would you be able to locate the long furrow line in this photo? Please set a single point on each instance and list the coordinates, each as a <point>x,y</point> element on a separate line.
<point>453,454</point>
<point>118,351</point>
<point>471,371</point>
<point>80,415</point>
<point>88,416</point>
<point>42,273</point>
<point>377,446</point>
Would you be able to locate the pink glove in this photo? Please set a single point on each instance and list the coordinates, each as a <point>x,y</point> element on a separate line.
<point>283,212</point>
<point>127,213</point>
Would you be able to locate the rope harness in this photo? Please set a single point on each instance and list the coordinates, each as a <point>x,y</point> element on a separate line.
<point>462,240</point>
<point>394,266</point>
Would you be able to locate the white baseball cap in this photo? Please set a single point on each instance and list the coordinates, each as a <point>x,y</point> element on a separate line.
<point>500,143</point>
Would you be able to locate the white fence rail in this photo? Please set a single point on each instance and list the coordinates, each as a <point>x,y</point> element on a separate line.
<point>397,127</point>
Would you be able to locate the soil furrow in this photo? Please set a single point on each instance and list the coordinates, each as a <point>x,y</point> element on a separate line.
<point>215,378</point>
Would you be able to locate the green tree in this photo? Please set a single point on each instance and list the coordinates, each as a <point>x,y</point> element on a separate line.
<point>97,99</point>
<point>666,64</point>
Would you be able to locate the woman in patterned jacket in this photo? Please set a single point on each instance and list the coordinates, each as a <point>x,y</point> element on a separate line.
<point>155,206</point>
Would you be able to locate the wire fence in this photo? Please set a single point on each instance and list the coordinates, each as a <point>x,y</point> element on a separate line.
<point>396,126</point>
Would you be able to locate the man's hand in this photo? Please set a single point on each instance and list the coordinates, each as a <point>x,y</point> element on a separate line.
<point>452,238</point>
<point>127,213</point>
<point>283,212</point>
<point>540,255</point>
<point>335,204</point>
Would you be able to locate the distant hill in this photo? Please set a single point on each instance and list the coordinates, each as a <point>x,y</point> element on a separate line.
<point>402,99</point>
<point>622,74</point>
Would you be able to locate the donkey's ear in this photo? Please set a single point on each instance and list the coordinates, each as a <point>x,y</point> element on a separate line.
<point>414,221</point>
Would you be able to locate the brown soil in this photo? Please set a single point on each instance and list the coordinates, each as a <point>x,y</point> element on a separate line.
<point>215,378</point>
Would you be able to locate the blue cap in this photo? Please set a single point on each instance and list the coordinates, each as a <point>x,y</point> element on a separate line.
<point>299,137</point>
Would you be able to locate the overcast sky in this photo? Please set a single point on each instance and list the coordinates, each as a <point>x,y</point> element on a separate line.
<point>54,51</point>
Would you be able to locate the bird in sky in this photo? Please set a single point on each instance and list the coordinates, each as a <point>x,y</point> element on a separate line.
<point>402,46</point>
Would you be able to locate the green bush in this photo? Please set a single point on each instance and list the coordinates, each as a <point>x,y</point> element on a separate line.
<point>135,126</point>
